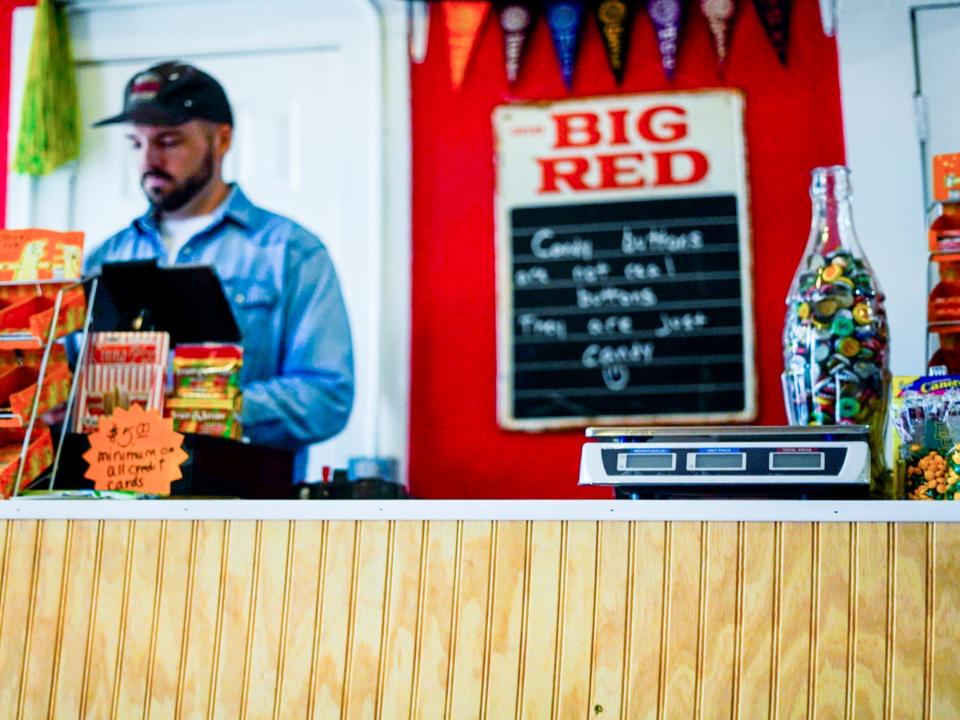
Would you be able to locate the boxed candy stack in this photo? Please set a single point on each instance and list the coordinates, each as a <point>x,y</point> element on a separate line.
<point>926,415</point>
<point>206,397</point>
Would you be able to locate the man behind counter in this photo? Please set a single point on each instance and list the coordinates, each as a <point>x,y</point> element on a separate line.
<point>297,374</point>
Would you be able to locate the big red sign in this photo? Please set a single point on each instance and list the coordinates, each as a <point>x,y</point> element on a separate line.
<point>623,261</point>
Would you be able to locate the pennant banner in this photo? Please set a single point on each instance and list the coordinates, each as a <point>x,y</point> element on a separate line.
<point>775,17</point>
<point>719,15</point>
<point>516,22</point>
<point>667,16</point>
<point>418,29</point>
<point>615,18</point>
<point>463,21</point>
<point>828,17</point>
<point>565,18</point>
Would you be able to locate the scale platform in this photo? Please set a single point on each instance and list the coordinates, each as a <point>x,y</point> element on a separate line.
<point>737,461</point>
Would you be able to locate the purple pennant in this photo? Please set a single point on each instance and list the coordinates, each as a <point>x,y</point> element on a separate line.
<point>516,21</point>
<point>667,16</point>
<point>615,18</point>
<point>565,18</point>
<point>775,17</point>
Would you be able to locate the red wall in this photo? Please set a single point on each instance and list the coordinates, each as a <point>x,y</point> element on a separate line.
<point>793,123</point>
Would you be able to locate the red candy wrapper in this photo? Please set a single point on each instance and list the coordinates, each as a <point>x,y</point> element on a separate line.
<point>516,21</point>
<point>206,416</point>
<point>615,18</point>
<point>719,15</point>
<point>565,18</point>
<point>775,17</point>
<point>666,16</point>
<point>209,370</point>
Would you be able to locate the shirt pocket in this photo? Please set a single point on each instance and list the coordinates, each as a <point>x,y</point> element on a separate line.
<point>254,303</point>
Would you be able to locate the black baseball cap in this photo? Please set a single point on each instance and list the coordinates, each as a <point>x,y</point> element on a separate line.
<point>172,93</point>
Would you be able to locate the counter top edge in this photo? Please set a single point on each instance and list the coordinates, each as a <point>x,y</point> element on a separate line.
<point>418,510</point>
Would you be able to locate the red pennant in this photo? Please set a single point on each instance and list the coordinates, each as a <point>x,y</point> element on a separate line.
<point>775,17</point>
<point>615,18</point>
<point>516,21</point>
<point>463,21</point>
<point>667,16</point>
<point>719,15</point>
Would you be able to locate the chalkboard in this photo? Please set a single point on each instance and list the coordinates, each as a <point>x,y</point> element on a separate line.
<point>628,311</point>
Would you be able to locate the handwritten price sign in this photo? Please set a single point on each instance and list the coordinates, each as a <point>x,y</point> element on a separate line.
<point>135,449</point>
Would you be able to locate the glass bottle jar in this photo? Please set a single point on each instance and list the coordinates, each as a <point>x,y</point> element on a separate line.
<point>835,341</point>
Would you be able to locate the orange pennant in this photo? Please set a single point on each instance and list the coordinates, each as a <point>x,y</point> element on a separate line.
<point>135,450</point>
<point>463,21</point>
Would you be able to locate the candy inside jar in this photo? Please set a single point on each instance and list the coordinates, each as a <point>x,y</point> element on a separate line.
<point>835,339</point>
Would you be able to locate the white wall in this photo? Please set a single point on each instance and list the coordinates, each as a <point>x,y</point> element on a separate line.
<point>883,151</point>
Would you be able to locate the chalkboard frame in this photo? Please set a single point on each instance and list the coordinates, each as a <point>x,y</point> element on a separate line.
<point>735,146</point>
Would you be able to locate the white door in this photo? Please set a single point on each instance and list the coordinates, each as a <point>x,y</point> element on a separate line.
<point>936,32</point>
<point>304,81</point>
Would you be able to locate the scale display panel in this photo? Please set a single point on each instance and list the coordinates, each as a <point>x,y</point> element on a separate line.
<point>797,461</point>
<point>719,461</point>
<point>631,462</point>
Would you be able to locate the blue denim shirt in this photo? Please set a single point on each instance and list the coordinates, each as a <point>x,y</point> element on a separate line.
<point>297,375</point>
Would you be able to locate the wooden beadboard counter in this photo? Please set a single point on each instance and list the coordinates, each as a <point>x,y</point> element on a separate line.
<point>471,609</point>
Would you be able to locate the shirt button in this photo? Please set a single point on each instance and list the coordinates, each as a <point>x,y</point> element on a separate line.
<point>239,297</point>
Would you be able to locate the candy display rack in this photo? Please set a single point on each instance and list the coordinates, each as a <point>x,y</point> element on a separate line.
<point>943,266</point>
<point>41,301</point>
<point>31,327</point>
<point>943,305</point>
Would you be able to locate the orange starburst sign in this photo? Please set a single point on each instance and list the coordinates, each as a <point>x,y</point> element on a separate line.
<point>136,450</point>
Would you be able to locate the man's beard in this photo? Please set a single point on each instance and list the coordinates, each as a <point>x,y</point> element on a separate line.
<point>182,192</point>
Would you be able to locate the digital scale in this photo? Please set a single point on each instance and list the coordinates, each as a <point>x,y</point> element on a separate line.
<point>737,461</point>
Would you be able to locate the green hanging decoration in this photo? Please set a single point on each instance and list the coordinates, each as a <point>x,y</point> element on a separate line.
<point>50,118</point>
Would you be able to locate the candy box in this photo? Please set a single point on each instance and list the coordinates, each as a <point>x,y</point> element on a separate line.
<point>18,387</point>
<point>219,417</point>
<point>39,456</point>
<point>943,304</point>
<point>25,319</point>
<point>943,340</point>
<point>946,177</point>
<point>38,255</point>
<point>122,368</point>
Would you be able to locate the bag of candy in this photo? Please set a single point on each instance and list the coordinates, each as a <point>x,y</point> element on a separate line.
<point>925,413</point>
